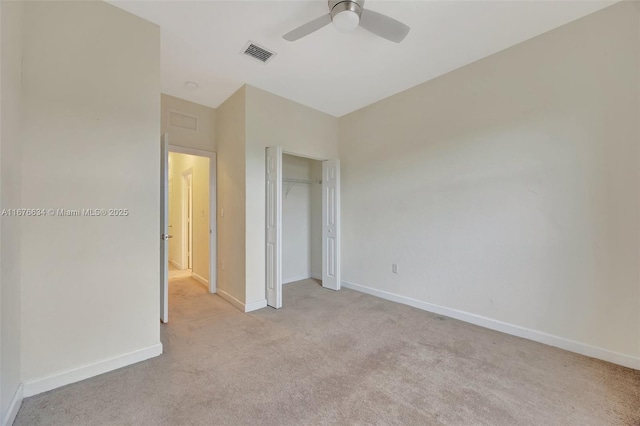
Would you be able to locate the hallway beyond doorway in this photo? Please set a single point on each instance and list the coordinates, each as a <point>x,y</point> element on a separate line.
<point>189,217</point>
<point>175,272</point>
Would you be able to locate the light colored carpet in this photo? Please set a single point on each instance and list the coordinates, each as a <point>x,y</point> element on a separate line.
<point>340,358</point>
<point>174,272</point>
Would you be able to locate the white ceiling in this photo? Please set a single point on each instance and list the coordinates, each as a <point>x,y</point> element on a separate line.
<point>330,71</point>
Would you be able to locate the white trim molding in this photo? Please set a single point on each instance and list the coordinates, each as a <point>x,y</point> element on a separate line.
<point>254,306</point>
<point>44,384</point>
<point>229,298</point>
<point>191,151</point>
<point>14,406</point>
<point>514,330</point>
<point>177,265</point>
<point>241,306</point>
<point>200,279</point>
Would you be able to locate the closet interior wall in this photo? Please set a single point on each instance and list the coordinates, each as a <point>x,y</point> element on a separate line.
<point>301,218</point>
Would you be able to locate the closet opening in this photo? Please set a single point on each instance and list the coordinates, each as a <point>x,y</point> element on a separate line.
<point>302,222</point>
<point>301,219</point>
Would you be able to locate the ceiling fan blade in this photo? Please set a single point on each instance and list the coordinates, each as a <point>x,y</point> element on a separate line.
<point>383,26</point>
<point>308,28</point>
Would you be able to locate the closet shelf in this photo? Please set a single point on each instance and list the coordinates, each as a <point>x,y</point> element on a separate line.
<point>292,181</point>
<point>303,181</point>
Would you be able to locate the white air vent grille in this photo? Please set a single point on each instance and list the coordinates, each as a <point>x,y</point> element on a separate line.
<point>258,53</point>
<point>184,121</point>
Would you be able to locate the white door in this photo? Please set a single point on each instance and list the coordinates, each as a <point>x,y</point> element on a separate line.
<point>274,227</point>
<point>187,219</point>
<point>164,228</point>
<point>190,220</point>
<point>331,224</point>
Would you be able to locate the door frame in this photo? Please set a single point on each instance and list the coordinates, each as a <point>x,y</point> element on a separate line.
<point>279,210</point>
<point>213,232</point>
<point>164,228</point>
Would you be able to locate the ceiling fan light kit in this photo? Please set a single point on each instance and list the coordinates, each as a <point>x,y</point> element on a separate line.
<point>347,16</point>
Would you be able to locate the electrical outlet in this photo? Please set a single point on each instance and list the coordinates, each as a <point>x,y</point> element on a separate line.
<point>394,268</point>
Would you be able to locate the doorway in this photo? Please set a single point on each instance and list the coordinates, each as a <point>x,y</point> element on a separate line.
<point>302,221</point>
<point>188,221</point>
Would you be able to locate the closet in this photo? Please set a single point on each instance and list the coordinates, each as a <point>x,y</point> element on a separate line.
<point>302,227</point>
<point>301,219</point>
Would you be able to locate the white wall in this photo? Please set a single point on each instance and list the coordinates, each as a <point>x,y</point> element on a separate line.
<point>90,285</point>
<point>231,196</point>
<point>10,115</point>
<point>199,166</point>
<point>510,187</point>
<point>272,120</point>
<point>296,220</point>
<point>203,138</point>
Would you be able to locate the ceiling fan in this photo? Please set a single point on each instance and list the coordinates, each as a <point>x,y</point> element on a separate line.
<point>347,15</point>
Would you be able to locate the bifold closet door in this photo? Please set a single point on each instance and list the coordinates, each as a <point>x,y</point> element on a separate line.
<point>331,224</point>
<point>274,226</point>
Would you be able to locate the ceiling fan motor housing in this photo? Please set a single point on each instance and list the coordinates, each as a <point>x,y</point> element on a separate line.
<point>345,14</point>
<point>337,6</point>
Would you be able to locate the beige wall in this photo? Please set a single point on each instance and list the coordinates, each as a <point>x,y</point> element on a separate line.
<point>10,115</point>
<point>509,188</point>
<point>231,196</point>
<point>199,166</point>
<point>272,120</point>
<point>204,138</point>
<point>90,285</point>
<point>247,123</point>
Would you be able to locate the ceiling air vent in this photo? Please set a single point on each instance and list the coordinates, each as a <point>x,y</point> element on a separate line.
<point>258,52</point>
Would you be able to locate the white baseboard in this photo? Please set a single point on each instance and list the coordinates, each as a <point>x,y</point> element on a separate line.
<point>254,306</point>
<point>44,384</point>
<point>316,276</point>
<point>515,330</point>
<point>243,307</point>
<point>14,406</point>
<point>296,278</point>
<point>177,265</point>
<point>200,279</point>
<point>229,298</point>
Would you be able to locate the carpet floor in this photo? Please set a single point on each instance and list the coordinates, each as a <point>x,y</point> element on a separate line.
<point>340,358</point>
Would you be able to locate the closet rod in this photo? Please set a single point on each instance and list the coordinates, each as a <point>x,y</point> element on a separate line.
<point>293,181</point>
<point>305,181</point>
